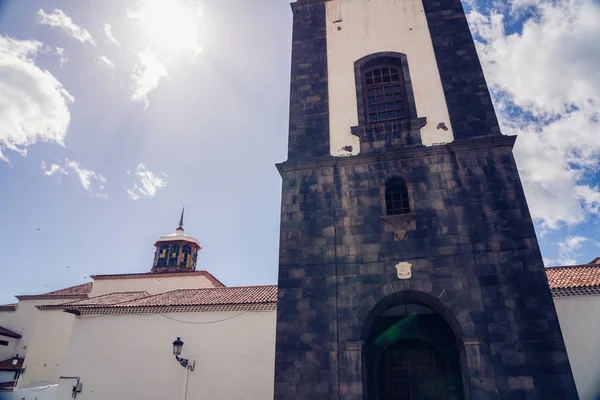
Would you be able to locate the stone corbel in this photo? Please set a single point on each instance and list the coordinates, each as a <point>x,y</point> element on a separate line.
<point>399,224</point>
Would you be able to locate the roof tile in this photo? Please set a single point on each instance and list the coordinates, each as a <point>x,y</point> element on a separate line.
<point>7,386</point>
<point>105,299</point>
<point>206,274</point>
<point>183,299</point>
<point>74,291</point>
<point>8,307</point>
<point>208,296</point>
<point>6,365</point>
<point>7,332</point>
<point>573,276</point>
<point>79,289</point>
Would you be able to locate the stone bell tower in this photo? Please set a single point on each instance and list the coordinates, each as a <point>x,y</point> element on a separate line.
<point>409,266</point>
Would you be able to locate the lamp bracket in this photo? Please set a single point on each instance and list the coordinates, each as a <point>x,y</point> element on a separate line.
<point>185,363</point>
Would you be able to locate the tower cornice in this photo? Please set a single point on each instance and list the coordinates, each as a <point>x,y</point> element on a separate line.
<point>408,152</point>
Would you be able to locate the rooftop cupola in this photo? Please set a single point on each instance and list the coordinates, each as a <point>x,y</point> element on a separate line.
<point>176,252</point>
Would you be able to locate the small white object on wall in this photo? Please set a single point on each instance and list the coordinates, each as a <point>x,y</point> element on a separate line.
<point>404,270</point>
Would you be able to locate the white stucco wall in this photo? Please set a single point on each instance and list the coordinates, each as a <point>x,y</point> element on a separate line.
<point>130,356</point>
<point>24,319</point>
<point>150,285</point>
<point>579,318</point>
<point>375,26</point>
<point>47,348</point>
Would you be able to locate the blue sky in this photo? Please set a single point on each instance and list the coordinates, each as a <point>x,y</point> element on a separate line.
<point>114,115</point>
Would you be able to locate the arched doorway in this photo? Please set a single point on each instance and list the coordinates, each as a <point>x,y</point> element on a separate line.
<point>411,353</point>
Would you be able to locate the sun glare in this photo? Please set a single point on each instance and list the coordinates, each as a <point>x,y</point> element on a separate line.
<point>170,25</point>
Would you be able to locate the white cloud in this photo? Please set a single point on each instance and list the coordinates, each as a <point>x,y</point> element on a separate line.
<point>58,19</point>
<point>90,180</point>
<point>53,169</point>
<point>567,249</point>
<point>547,91</point>
<point>146,74</point>
<point>103,60</point>
<point>33,103</point>
<point>147,185</point>
<point>109,35</point>
<point>60,52</point>
<point>170,30</point>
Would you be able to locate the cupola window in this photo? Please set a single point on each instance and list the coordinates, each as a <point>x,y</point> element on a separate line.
<point>173,255</point>
<point>162,256</point>
<point>185,255</point>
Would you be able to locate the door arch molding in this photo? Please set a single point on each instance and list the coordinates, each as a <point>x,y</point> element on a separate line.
<point>444,304</point>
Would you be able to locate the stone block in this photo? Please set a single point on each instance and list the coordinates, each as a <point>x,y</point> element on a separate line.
<point>520,382</point>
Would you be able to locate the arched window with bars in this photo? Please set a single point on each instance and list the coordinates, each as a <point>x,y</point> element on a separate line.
<point>383,88</point>
<point>163,255</point>
<point>186,250</point>
<point>173,255</point>
<point>397,200</point>
<point>384,93</point>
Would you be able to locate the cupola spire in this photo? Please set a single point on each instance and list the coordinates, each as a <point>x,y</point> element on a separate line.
<point>181,220</point>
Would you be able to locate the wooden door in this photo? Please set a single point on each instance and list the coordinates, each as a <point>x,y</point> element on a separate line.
<point>412,370</point>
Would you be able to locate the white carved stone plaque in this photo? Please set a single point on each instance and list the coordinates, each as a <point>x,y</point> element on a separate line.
<point>404,270</point>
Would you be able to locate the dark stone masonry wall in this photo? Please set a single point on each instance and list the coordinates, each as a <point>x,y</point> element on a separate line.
<point>473,247</point>
<point>470,240</point>
<point>309,107</point>
<point>467,95</point>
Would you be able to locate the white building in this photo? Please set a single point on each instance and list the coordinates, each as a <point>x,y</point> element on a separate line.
<point>576,293</point>
<point>114,336</point>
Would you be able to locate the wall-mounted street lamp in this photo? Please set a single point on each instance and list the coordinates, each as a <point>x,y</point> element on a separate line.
<point>177,346</point>
<point>15,362</point>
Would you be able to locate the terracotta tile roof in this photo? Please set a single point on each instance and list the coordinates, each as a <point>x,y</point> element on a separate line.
<point>595,261</point>
<point>232,295</point>
<point>79,291</point>
<point>6,365</point>
<point>105,299</point>
<point>9,333</point>
<point>573,276</point>
<point>247,298</point>
<point>82,291</point>
<point>5,386</point>
<point>206,274</point>
<point>109,310</point>
<point>8,307</point>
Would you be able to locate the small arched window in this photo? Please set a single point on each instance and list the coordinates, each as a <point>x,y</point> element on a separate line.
<point>384,93</point>
<point>396,197</point>
<point>186,250</point>
<point>173,255</point>
<point>162,256</point>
